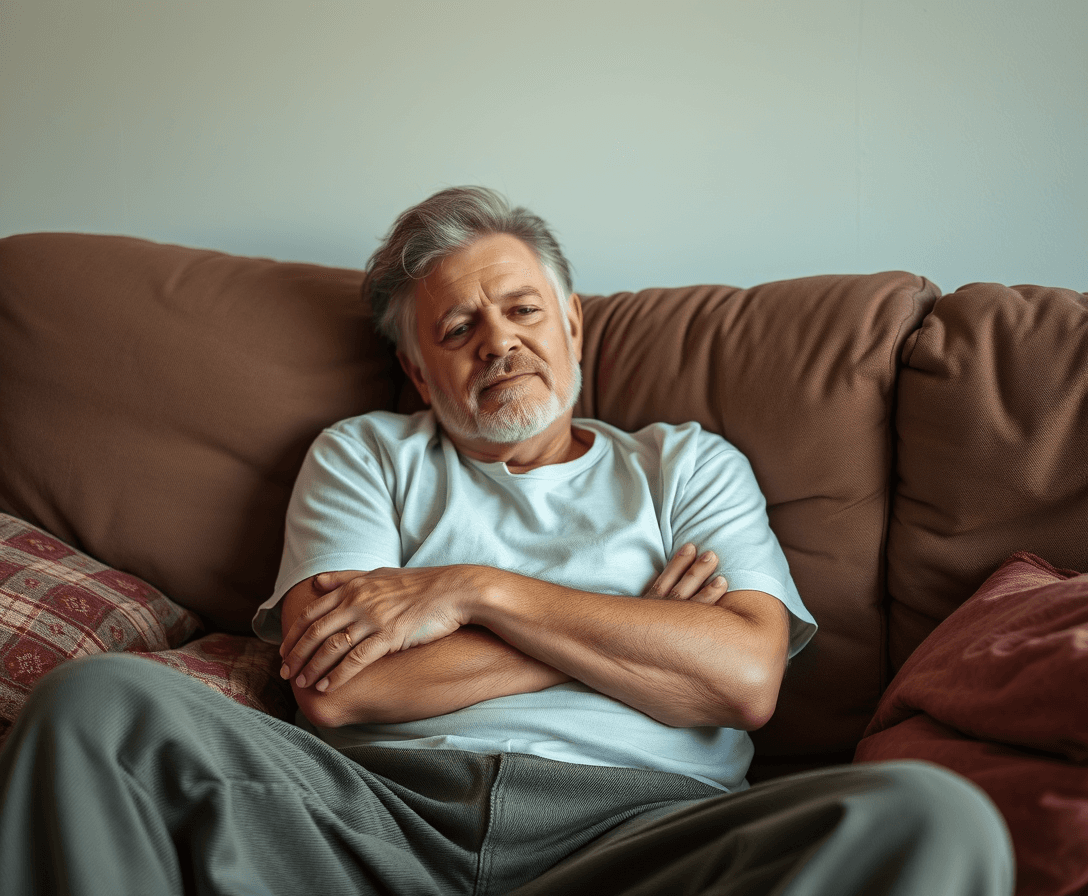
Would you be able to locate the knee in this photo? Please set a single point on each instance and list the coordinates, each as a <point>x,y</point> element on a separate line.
<point>943,808</point>
<point>93,693</point>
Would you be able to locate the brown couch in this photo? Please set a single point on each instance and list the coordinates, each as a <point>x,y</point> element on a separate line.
<point>156,402</point>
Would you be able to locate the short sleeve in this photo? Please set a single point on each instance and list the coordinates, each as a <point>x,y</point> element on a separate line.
<point>341,516</point>
<point>718,505</point>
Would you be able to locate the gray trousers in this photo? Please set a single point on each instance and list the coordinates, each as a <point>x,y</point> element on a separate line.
<point>125,777</point>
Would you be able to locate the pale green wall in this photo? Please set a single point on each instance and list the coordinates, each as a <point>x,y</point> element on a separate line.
<point>669,143</point>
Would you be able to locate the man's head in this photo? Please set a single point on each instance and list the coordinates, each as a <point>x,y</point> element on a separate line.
<point>477,297</point>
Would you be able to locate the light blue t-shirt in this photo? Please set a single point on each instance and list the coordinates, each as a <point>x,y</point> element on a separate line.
<point>387,490</point>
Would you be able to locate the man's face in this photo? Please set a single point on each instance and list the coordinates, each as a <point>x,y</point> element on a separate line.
<point>500,354</point>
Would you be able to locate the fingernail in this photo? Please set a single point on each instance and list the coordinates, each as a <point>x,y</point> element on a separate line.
<point>707,555</point>
<point>301,681</point>
<point>687,550</point>
<point>718,581</point>
<point>285,671</point>
<point>322,685</point>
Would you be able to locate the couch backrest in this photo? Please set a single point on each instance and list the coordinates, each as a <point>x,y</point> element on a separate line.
<point>156,403</point>
<point>800,375</point>
<point>992,423</point>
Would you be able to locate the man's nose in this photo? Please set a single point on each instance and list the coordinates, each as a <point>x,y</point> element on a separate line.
<point>498,337</point>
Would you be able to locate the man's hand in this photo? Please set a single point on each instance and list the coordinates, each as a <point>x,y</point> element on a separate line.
<point>365,615</point>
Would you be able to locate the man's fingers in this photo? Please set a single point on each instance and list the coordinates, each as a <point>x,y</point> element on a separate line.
<point>315,611</point>
<point>673,572</point>
<point>329,581</point>
<point>712,591</point>
<point>358,658</point>
<point>332,644</point>
<point>698,574</point>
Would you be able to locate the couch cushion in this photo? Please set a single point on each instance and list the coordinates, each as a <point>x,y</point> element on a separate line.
<point>1009,665</point>
<point>1044,800</point>
<point>800,376</point>
<point>996,693</point>
<point>57,604</point>
<point>993,448</point>
<point>158,402</point>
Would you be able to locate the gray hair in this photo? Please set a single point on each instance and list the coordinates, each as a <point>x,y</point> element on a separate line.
<point>439,226</point>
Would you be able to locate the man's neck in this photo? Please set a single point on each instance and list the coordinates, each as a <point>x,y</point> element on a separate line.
<point>560,443</point>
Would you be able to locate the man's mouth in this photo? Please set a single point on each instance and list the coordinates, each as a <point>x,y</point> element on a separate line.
<point>506,381</point>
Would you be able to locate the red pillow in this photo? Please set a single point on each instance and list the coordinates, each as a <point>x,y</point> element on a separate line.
<point>997,693</point>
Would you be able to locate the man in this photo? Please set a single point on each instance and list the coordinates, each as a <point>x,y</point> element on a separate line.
<point>532,646</point>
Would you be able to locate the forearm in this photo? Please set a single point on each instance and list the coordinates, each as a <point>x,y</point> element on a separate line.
<point>683,663</point>
<point>463,668</point>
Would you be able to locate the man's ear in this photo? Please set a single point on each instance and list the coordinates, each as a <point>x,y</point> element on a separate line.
<point>416,376</point>
<point>574,316</point>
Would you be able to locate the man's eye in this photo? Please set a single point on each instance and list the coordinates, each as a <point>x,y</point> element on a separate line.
<point>526,310</point>
<point>457,331</point>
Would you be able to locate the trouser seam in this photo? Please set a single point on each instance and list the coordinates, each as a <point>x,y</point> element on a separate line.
<point>494,807</point>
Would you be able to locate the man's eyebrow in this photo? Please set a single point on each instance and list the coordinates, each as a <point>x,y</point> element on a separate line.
<point>467,307</point>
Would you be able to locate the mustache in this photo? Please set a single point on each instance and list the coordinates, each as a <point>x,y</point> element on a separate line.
<point>511,365</point>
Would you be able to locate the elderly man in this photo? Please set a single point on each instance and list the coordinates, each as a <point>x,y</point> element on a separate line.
<point>530,648</point>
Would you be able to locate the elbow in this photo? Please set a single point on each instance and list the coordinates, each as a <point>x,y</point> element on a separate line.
<point>318,709</point>
<point>326,711</point>
<point>750,700</point>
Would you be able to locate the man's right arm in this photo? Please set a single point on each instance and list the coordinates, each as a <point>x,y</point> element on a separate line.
<point>463,668</point>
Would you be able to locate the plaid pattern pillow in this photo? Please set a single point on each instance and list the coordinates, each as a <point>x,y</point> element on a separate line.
<point>57,604</point>
<point>242,667</point>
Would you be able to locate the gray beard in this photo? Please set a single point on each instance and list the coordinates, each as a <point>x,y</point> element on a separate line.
<point>517,419</point>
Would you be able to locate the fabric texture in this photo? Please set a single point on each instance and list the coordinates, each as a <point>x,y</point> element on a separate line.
<point>241,667</point>
<point>386,490</point>
<point>57,603</point>
<point>996,693</point>
<point>167,787</point>
<point>993,445</point>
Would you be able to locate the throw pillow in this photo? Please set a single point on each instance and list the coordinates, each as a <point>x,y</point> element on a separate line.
<point>241,667</point>
<point>997,693</point>
<point>57,603</point>
<point>1010,664</point>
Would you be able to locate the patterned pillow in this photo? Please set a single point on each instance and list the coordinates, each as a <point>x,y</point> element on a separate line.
<point>57,604</point>
<point>242,667</point>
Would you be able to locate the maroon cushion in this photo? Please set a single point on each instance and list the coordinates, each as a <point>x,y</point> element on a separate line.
<point>57,604</point>
<point>997,693</point>
<point>158,401</point>
<point>800,375</point>
<point>1043,799</point>
<point>993,448</point>
<point>1010,665</point>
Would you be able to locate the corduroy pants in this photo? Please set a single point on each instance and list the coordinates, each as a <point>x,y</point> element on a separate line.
<point>125,777</point>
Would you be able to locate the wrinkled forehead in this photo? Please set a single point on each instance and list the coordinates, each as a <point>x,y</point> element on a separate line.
<point>483,272</point>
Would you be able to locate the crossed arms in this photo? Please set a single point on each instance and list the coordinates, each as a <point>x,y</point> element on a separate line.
<point>392,645</point>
